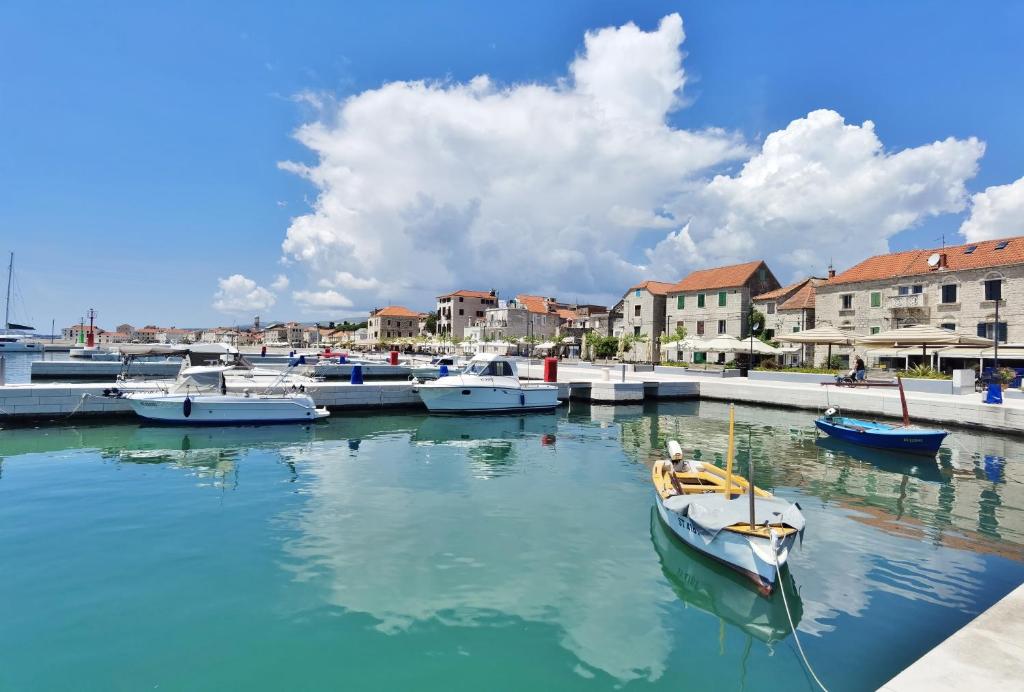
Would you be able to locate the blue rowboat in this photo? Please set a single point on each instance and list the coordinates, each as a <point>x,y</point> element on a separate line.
<point>910,439</point>
<point>906,438</point>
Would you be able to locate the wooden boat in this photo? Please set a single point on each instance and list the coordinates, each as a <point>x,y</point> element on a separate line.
<point>724,516</point>
<point>905,438</point>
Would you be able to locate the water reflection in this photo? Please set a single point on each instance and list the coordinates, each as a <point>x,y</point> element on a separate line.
<point>490,442</point>
<point>705,584</point>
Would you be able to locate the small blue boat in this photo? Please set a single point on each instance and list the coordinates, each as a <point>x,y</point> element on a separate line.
<point>905,438</point>
<point>911,439</point>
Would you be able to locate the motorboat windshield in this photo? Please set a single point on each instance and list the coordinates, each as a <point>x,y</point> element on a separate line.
<point>490,368</point>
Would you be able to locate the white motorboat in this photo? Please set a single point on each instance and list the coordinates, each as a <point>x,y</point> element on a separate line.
<point>724,516</point>
<point>488,383</point>
<point>200,396</point>
<point>431,370</point>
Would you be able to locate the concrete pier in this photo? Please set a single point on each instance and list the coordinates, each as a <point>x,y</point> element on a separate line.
<point>986,654</point>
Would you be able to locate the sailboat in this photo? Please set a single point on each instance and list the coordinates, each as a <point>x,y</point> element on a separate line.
<point>725,516</point>
<point>9,341</point>
<point>906,438</point>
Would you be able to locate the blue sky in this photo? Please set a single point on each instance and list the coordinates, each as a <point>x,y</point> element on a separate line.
<point>142,141</point>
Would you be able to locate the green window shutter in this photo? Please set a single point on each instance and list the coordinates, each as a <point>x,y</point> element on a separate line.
<point>874,330</point>
<point>700,300</point>
<point>680,302</point>
<point>876,299</point>
<point>721,299</point>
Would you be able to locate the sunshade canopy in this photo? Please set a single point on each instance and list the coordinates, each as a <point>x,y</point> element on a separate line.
<point>921,335</point>
<point>826,334</point>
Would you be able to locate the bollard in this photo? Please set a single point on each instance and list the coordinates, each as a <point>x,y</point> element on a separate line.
<point>302,360</point>
<point>357,375</point>
<point>994,394</point>
<point>623,372</point>
<point>550,369</point>
<point>341,359</point>
<point>393,359</point>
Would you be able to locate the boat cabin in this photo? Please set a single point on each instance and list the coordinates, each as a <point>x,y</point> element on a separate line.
<point>490,365</point>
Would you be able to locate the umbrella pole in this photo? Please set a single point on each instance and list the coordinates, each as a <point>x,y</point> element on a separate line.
<point>828,362</point>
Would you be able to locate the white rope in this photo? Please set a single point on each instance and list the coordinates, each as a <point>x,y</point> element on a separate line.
<point>785,602</point>
<point>81,402</point>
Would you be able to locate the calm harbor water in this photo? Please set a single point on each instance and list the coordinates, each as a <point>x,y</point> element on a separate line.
<point>18,366</point>
<point>378,551</point>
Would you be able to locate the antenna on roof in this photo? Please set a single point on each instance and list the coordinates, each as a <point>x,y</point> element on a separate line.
<point>942,239</point>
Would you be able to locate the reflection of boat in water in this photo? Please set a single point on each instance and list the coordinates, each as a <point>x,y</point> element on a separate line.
<point>446,429</point>
<point>718,590</point>
<point>916,465</point>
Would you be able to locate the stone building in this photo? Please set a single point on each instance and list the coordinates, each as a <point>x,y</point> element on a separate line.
<point>392,322</point>
<point>709,302</point>
<point>790,309</point>
<point>458,310</point>
<point>643,314</point>
<point>957,287</point>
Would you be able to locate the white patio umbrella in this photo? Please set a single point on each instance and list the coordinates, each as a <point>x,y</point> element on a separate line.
<point>923,335</point>
<point>825,335</point>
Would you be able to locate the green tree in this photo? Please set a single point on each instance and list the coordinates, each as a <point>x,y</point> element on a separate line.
<point>432,322</point>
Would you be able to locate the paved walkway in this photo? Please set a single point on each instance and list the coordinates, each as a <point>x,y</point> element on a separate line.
<point>986,654</point>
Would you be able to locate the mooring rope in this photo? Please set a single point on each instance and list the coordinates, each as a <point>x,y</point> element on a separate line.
<point>785,602</point>
<point>81,402</point>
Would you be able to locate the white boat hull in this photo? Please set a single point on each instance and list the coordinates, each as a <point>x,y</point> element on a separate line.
<point>750,555</point>
<point>20,347</point>
<point>224,409</point>
<point>472,398</point>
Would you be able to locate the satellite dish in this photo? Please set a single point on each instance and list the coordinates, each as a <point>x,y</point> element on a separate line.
<point>934,260</point>
<point>756,328</point>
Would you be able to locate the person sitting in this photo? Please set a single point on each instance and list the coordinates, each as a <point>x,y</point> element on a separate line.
<point>859,370</point>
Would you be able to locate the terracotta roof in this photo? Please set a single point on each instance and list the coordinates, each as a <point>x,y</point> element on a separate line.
<point>782,292</point>
<point>538,304</point>
<point>468,294</point>
<point>802,300</point>
<point>395,311</point>
<point>658,288</point>
<point>718,277</point>
<point>566,313</point>
<point>915,262</point>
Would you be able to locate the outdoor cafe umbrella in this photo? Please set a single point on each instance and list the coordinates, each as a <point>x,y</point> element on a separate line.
<point>922,335</point>
<point>824,335</point>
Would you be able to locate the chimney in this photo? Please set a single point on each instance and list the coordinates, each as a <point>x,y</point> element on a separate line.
<point>831,272</point>
<point>942,261</point>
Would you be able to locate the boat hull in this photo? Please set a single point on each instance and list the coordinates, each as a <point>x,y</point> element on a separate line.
<point>20,347</point>
<point>881,436</point>
<point>225,409</point>
<point>751,556</point>
<point>466,398</point>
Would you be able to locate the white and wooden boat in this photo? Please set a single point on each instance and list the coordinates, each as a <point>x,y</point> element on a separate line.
<point>723,516</point>
<point>10,340</point>
<point>489,383</point>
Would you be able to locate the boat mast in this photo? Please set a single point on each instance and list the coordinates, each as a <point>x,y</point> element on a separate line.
<point>903,403</point>
<point>7,306</point>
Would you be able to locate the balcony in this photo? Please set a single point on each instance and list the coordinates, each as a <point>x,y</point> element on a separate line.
<point>909,301</point>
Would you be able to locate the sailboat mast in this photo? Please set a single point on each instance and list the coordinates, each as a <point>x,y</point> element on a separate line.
<point>7,303</point>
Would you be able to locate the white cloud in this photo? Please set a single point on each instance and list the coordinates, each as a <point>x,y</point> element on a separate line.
<point>996,213</point>
<point>430,186</point>
<point>321,299</point>
<point>240,294</point>
<point>280,283</point>
<point>425,187</point>
<point>819,189</point>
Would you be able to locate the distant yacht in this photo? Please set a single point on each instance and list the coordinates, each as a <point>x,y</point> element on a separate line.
<point>9,341</point>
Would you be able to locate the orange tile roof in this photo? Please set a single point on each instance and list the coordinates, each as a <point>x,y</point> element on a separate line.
<point>468,294</point>
<point>718,277</point>
<point>915,262</point>
<point>802,299</point>
<point>538,304</point>
<point>782,292</point>
<point>566,313</point>
<point>395,311</point>
<point>658,288</point>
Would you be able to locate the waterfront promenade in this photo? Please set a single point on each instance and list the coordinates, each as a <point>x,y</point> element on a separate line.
<point>612,384</point>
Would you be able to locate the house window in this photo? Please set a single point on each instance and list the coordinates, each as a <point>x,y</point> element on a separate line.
<point>989,330</point>
<point>721,326</point>
<point>994,289</point>
<point>700,300</point>
<point>1002,245</point>
<point>847,301</point>
<point>970,250</point>
<point>769,334</point>
<point>761,274</point>
<point>875,330</point>
<point>949,293</point>
<point>796,329</point>
<point>721,299</point>
<point>637,293</point>
<point>461,311</point>
<point>636,331</point>
<point>770,308</point>
<point>680,302</point>
<point>636,311</point>
<point>876,299</point>
<point>460,300</point>
<point>949,325</point>
<point>700,328</point>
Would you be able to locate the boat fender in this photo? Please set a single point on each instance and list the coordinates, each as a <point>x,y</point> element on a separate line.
<point>675,451</point>
<point>302,388</point>
<point>830,411</point>
<point>522,400</point>
<point>186,407</point>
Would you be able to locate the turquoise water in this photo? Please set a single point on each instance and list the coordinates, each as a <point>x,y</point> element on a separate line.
<point>513,552</point>
<point>18,366</point>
